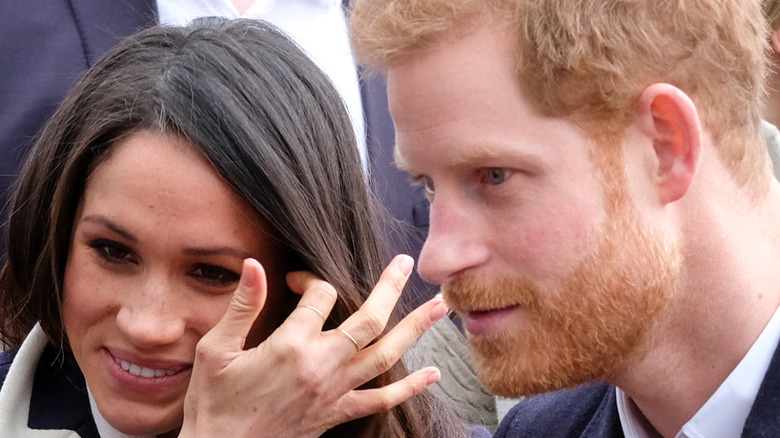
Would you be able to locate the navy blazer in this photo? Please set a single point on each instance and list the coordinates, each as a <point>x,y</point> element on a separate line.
<point>46,45</point>
<point>591,411</point>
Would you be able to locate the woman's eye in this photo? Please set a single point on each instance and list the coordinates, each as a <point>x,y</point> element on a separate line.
<point>111,251</point>
<point>497,175</point>
<point>214,275</point>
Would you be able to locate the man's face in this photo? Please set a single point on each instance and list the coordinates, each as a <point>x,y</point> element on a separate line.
<point>540,250</point>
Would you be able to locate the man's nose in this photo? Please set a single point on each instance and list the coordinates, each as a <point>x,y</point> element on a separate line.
<point>455,241</point>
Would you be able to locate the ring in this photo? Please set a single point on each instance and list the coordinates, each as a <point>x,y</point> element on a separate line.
<point>316,310</point>
<point>357,347</point>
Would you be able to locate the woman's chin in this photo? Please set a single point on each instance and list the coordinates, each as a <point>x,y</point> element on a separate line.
<point>152,424</point>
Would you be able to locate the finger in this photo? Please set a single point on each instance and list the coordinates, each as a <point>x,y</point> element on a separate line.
<point>247,302</point>
<point>362,402</point>
<point>369,322</point>
<point>383,354</point>
<point>316,293</point>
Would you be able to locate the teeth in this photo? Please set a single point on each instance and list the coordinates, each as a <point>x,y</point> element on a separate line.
<point>138,370</point>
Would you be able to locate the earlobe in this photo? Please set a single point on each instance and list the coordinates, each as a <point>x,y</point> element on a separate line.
<point>673,124</point>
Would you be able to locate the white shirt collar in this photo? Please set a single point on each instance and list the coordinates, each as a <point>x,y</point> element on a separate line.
<point>105,430</point>
<point>724,414</point>
<point>318,26</point>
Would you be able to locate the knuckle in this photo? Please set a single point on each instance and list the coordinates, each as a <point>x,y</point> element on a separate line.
<point>373,324</point>
<point>205,351</point>
<point>419,326</point>
<point>326,289</point>
<point>397,283</point>
<point>240,305</point>
<point>312,383</point>
<point>385,403</point>
<point>293,350</point>
<point>384,359</point>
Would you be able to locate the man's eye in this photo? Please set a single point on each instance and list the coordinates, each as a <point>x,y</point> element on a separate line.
<point>497,175</point>
<point>426,182</point>
<point>428,185</point>
<point>214,275</point>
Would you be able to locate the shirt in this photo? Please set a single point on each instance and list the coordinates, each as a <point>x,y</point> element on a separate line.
<point>724,414</point>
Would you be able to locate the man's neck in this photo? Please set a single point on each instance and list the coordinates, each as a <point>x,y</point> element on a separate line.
<point>724,302</point>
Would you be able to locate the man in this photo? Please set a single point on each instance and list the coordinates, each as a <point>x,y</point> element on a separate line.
<point>603,211</point>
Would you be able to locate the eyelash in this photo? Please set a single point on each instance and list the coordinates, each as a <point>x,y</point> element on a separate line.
<point>425,182</point>
<point>223,277</point>
<point>429,189</point>
<point>106,249</point>
<point>208,274</point>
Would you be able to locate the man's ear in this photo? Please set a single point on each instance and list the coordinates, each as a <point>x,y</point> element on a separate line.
<point>670,119</point>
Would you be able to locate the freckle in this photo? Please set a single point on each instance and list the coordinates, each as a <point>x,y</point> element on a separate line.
<point>760,296</point>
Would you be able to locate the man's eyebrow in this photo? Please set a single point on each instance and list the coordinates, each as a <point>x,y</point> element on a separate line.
<point>400,161</point>
<point>479,154</point>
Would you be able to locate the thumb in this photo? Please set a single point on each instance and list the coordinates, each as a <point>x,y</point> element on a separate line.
<point>248,300</point>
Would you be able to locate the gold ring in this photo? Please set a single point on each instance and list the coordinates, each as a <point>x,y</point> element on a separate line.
<point>357,347</point>
<point>314,309</point>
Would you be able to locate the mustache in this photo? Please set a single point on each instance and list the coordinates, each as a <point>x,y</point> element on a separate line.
<point>471,294</point>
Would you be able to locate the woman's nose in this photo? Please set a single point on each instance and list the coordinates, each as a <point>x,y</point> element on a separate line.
<point>150,315</point>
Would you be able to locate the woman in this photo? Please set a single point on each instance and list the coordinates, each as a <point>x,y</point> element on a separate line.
<point>182,156</point>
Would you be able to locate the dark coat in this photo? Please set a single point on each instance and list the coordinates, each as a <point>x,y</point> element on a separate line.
<point>591,411</point>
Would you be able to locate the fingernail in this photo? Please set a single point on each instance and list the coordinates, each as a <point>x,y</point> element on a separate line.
<point>433,377</point>
<point>438,311</point>
<point>405,264</point>
<point>248,276</point>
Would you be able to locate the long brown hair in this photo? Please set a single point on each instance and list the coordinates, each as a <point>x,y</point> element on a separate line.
<point>268,120</point>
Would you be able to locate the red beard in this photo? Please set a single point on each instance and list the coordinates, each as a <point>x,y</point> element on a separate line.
<point>588,325</point>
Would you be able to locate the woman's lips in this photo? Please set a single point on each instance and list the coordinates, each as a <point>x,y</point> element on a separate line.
<point>138,370</point>
<point>478,322</point>
<point>140,375</point>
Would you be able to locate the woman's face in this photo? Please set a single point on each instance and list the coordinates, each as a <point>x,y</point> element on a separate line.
<point>156,253</point>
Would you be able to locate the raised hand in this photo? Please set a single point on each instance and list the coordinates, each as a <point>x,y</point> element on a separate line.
<point>301,380</point>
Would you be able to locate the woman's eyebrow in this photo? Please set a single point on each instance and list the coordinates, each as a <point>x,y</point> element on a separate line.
<point>193,251</point>
<point>216,250</point>
<point>102,220</point>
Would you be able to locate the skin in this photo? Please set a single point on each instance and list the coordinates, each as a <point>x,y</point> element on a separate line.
<point>157,250</point>
<point>516,195</point>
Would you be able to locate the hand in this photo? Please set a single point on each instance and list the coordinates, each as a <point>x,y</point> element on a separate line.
<point>300,381</point>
